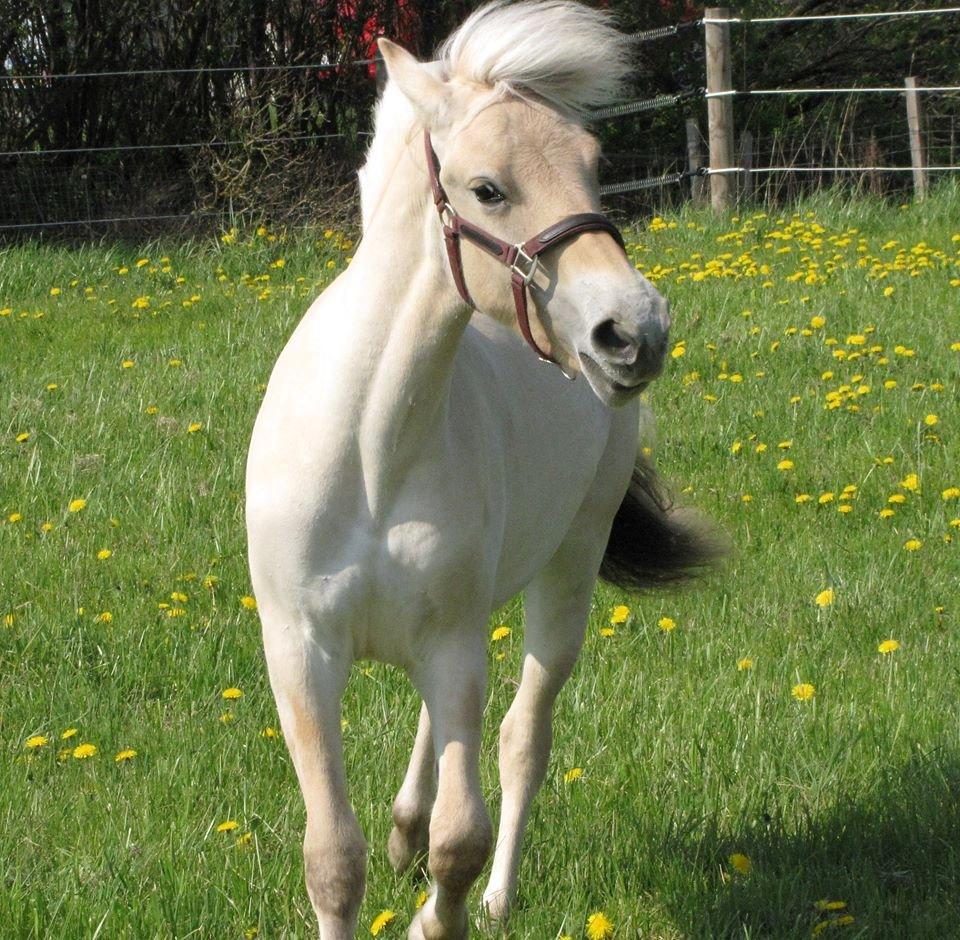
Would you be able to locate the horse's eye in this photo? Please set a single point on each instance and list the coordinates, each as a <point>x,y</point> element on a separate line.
<point>488,194</point>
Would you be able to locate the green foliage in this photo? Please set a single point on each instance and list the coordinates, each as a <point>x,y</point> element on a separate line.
<point>686,760</point>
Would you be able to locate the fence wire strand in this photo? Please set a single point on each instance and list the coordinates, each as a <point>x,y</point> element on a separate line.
<point>821,17</point>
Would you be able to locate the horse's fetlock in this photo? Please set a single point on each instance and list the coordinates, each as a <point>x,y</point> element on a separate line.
<point>457,857</point>
<point>335,870</point>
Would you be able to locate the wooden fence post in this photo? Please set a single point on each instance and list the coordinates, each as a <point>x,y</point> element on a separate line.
<point>916,138</point>
<point>719,110</point>
<point>698,189</point>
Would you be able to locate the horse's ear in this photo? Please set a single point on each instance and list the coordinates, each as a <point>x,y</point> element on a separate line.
<point>427,93</point>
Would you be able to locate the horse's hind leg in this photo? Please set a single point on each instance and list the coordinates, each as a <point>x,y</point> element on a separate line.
<point>557,606</point>
<point>411,809</point>
<point>308,682</point>
<point>452,681</point>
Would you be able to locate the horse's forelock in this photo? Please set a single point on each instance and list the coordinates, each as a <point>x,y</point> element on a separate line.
<point>564,52</point>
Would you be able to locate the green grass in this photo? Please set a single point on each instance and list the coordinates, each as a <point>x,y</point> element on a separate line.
<point>686,759</point>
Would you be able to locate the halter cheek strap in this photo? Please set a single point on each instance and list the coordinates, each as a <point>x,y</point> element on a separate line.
<point>522,259</point>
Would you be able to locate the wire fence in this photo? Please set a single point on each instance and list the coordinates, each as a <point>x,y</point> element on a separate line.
<point>40,179</point>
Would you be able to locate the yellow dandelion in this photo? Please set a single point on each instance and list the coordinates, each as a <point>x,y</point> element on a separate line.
<point>827,905</point>
<point>802,498</point>
<point>228,825</point>
<point>825,598</point>
<point>269,732</point>
<point>803,691</point>
<point>381,921</point>
<point>83,751</point>
<point>68,734</point>
<point>421,899</point>
<point>740,863</point>
<point>500,633</point>
<point>745,663</point>
<point>194,427</point>
<point>248,603</point>
<point>607,631</point>
<point>785,465</point>
<point>231,693</point>
<point>76,505</point>
<point>667,624</point>
<point>38,740</point>
<point>888,646</point>
<point>104,554</point>
<point>103,617</point>
<point>23,437</point>
<point>913,545</point>
<point>598,926</point>
<point>910,482</point>
<point>619,614</point>
<point>825,498</point>
<point>951,492</point>
<point>574,773</point>
<point>15,517</point>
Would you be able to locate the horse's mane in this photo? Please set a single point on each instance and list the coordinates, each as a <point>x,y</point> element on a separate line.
<point>566,53</point>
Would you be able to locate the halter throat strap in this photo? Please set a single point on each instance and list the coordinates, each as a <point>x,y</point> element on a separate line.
<point>522,259</point>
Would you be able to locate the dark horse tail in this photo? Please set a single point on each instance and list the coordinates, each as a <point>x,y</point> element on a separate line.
<point>652,543</point>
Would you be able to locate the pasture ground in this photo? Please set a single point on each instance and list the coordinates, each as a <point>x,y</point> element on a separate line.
<point>728,759</point>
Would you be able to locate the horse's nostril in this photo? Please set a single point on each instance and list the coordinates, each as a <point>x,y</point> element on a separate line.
<point>610,337</point>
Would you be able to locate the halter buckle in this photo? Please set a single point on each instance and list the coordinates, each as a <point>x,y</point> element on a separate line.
<point>523,258</point>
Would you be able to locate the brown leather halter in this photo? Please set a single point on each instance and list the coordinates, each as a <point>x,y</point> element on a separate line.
<point>523,259</point>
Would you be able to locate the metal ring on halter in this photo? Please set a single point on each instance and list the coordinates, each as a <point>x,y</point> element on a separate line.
<point>533,266</point>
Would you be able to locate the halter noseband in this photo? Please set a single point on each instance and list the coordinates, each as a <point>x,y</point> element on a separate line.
<point>522,259</point>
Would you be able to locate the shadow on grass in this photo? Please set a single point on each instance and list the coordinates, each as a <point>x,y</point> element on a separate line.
<point>892,855</point>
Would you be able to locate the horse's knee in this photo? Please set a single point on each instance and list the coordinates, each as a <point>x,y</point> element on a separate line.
<point>335,867</point>
<point>459,848</point>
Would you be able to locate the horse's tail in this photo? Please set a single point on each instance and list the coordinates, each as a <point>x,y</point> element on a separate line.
<point>652,543</point>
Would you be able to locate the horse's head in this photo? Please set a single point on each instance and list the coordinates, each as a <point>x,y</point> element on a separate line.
<point>514,160</point>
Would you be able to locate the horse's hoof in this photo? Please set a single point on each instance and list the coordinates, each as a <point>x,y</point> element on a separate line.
<point>496,905</point>
<point>427,926</point>
<point>403,848</point>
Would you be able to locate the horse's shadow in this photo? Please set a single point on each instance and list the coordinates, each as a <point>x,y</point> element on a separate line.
<point>890,854</point>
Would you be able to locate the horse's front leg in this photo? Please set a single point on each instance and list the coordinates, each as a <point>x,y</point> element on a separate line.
<point>308,678</point>
<point>557,605</point>
<point>411,809</point>
<point>452,681</point>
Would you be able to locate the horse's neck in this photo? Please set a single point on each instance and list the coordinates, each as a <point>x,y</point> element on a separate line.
<point>406,322</point>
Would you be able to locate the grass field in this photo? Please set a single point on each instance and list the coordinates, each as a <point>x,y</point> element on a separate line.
<point>727,759</point>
